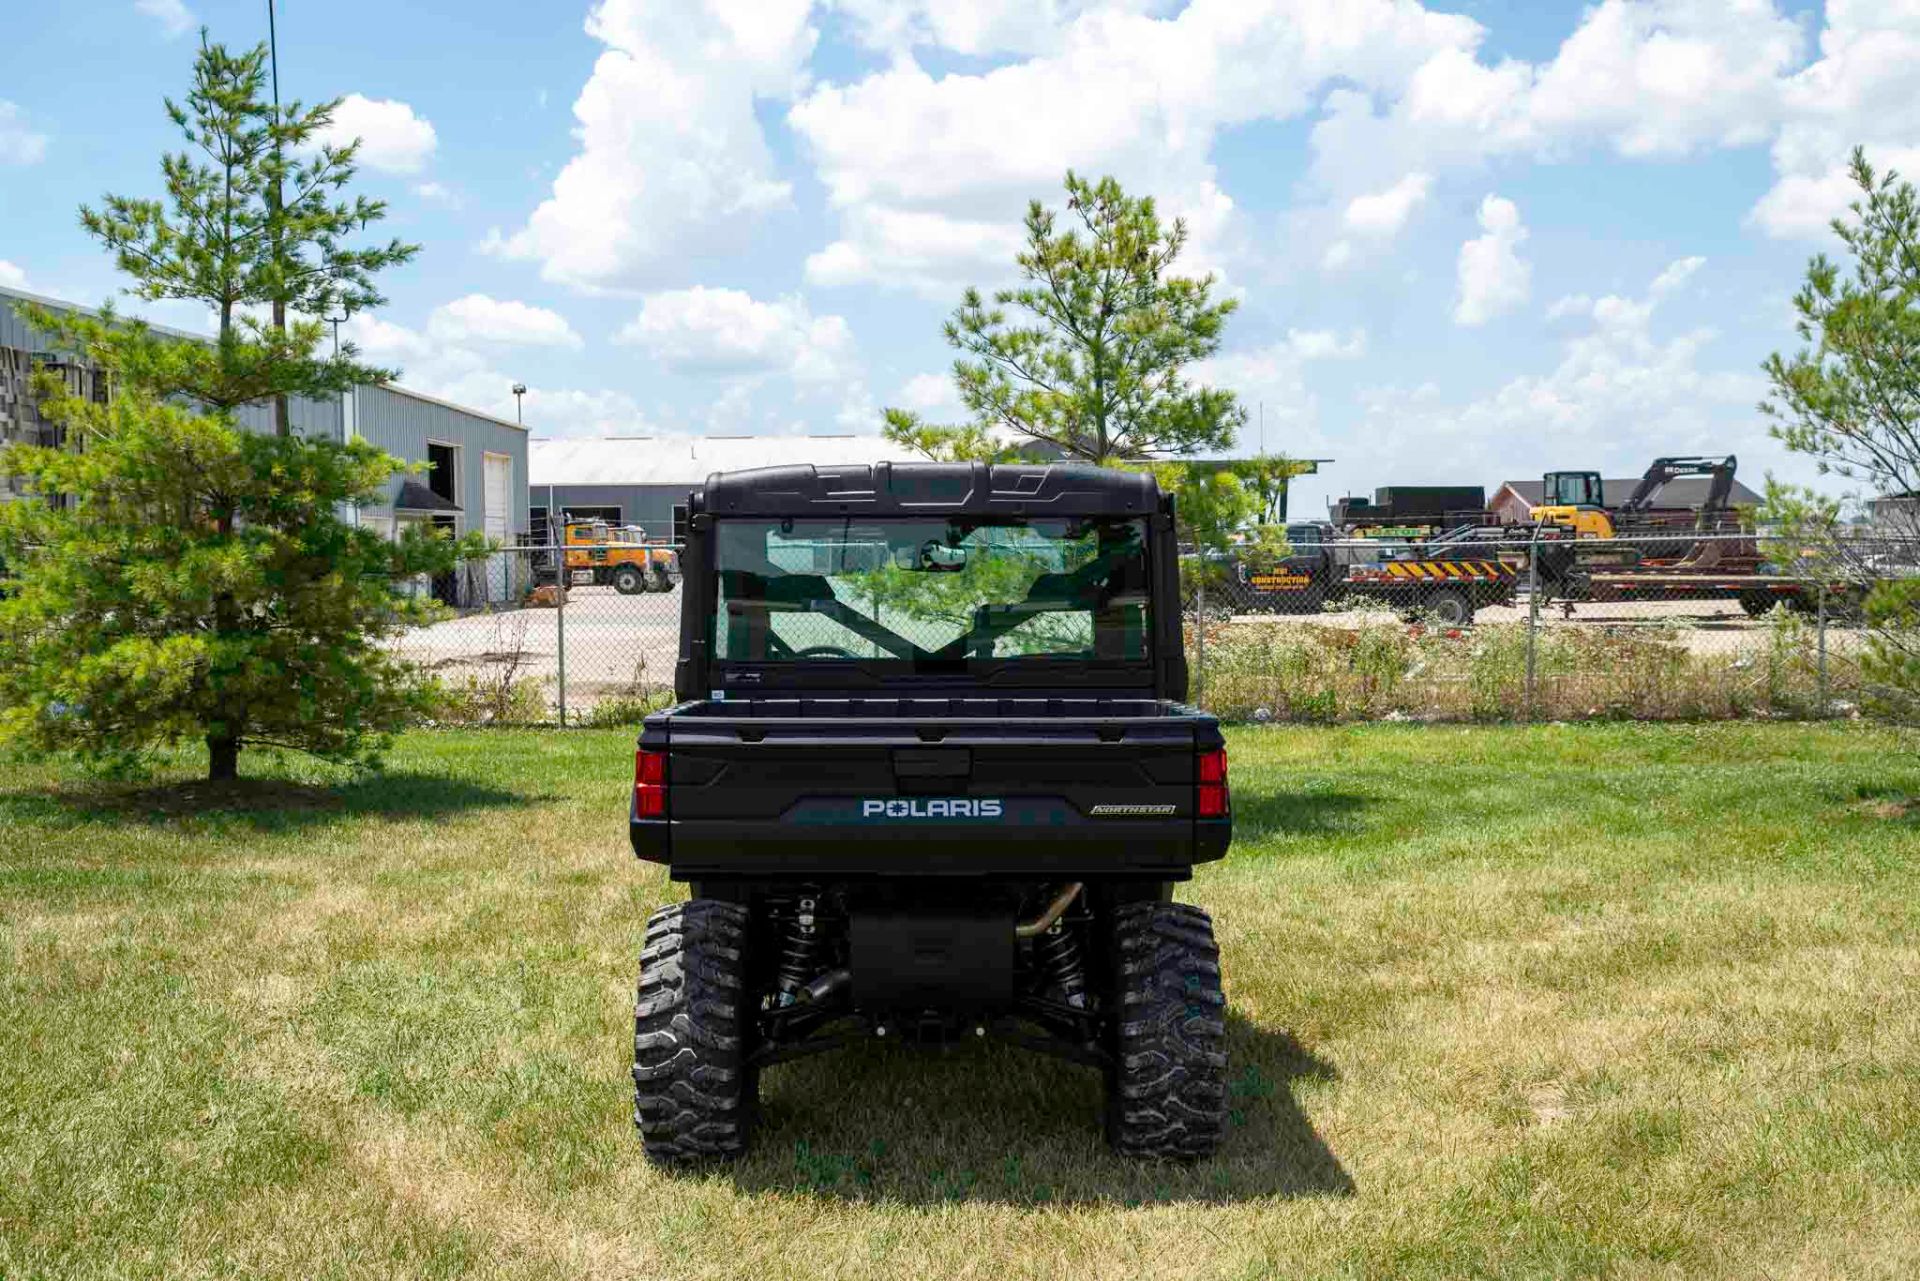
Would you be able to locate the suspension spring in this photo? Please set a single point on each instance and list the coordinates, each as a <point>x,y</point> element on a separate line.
<point>800,946</point>
<point>1058,956</point>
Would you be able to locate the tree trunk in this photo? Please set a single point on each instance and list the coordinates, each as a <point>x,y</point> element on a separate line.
<point>281,426</point>
<point>223,758</point>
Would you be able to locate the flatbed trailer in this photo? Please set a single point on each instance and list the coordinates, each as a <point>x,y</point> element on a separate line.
<point>1450,590</point>
<point>1756,592</point>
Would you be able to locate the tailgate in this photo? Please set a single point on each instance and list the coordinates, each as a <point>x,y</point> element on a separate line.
<point>758,795</point>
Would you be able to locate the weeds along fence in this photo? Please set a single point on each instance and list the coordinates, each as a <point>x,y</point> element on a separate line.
<point>1490,627</point>
<point>595,649</point>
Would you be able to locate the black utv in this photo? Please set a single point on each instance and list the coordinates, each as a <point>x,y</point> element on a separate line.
<point>929,779</point>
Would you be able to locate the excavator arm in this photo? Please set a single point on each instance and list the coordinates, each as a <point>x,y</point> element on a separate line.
<point>1666,470</point>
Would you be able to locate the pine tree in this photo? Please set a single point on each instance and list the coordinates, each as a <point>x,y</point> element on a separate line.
<point>177,578</point>
<point>1096,372</point>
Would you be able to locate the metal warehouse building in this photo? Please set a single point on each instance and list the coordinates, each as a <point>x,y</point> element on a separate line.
<point>644,480</point>
<point>476,476</point>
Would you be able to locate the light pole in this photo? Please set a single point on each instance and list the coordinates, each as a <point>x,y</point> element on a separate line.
<point>519,390</point>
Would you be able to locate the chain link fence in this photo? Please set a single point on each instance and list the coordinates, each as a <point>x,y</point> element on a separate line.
<point>1482,627</point>
<point>592,642</point>
<point>1487,625</point>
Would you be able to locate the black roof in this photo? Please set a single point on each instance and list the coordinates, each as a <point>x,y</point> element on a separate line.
<point>906,489</point>
<point>415,497</point>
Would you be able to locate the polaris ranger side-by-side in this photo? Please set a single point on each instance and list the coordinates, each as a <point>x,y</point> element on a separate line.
<point>930,780</point>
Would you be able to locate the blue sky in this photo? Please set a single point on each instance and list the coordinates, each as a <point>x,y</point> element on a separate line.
<point>1470,243</point>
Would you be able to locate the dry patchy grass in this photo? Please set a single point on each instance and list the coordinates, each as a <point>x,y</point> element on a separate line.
<point>1554,1001</point>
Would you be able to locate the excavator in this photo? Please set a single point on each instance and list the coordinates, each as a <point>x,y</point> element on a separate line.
<point>1574,500</point>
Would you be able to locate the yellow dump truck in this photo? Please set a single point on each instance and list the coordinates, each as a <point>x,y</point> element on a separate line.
<point>617,556</point>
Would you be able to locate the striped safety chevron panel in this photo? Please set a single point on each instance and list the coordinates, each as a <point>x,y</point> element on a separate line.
<point>1437,570</point>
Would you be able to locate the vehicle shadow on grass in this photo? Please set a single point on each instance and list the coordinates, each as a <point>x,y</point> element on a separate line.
<point>987,1122</point>
<point>267,804</point>
<point>1284,813</point>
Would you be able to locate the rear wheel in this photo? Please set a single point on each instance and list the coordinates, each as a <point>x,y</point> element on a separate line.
<point>694,1092</point>
<point>1756,604</point>
<point>628,581</point>
<point>1451,607</point>
<point>1167,1081</point>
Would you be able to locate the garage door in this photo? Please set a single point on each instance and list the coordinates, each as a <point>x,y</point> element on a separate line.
<point>496,515</point>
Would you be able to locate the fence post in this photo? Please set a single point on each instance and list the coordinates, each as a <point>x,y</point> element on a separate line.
<point>1826,704</point>
<point>564,578</point>
<point>1200,635</point>
<point>1533,614</point>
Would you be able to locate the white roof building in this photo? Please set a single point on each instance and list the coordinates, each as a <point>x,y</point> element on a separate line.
<point>640,480</point>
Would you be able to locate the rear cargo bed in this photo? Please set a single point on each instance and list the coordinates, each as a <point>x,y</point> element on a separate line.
<point>923,786</point>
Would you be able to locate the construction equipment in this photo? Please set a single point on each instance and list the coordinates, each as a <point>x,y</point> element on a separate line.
<point>1401,512</point>
<point>1574,499</point>
<point>617,556</point>
<point>1448,577</point>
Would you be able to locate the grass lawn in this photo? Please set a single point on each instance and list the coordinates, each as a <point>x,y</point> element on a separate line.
<point>1554,1001</point>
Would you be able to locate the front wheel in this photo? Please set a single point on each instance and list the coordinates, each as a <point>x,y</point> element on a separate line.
<point>1167,1079</point>
<point>694,1091</point>
<point>628,581</point>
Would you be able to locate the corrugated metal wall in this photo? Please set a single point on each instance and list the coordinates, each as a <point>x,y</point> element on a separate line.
<point>309,417</point>
<point>650,506</point>
<point>397,421</point>
<point>403,423</point>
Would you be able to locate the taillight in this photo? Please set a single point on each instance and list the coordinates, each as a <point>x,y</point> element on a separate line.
<point>649,784</point>
<point>1215,800</point>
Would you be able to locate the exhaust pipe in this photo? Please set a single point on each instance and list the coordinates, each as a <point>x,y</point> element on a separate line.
<point>1055,910</point>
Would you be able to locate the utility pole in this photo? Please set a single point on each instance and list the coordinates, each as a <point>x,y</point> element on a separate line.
<point>281,427</point>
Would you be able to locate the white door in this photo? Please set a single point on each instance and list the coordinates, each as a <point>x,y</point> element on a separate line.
<point>496,512</point>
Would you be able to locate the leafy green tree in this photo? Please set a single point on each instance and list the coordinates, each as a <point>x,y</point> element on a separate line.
<point>1225,510</point>
<point>1850,399</point>
<point>176,577</point>
<point>1095,367</point>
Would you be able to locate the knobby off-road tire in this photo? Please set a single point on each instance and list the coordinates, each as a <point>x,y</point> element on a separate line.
<point>694,1093</point>
<point>1167,1086</point>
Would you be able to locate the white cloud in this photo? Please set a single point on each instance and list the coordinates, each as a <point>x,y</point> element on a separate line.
<point>465,376</point>
<point>1493,278</point>
<point>1384,213</point>
<point>1617,396</point>
<point>929,174</point>
<point>479,318</point>
<point>19,145</point>
<point>672,160</point>
<point>729,333</point>
<point>742,344</point>
<point>1677,273</point>
<point>1859,91</point>
<point>976,27</point>
<point>932,396</point>
<point>1668,77</point>
<point>175,18</point>
<point>1271,383</point>
<point>392,138</point>
<point>1648,79</point>
<point>439,193</point>
<point>11,276</point>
